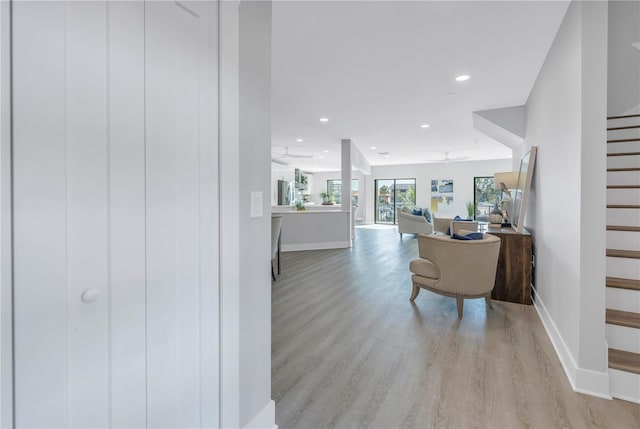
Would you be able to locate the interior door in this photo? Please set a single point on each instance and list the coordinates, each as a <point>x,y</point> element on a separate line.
<point>115,214</point>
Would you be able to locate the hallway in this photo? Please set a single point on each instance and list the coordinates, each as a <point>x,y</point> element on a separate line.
<point>350,350</point>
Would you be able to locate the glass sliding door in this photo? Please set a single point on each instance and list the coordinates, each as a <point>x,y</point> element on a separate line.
<point>392,194</point>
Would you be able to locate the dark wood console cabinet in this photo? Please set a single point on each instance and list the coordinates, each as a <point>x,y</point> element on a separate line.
<point>513,277</point>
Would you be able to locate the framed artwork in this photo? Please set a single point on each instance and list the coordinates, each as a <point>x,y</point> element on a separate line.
<point>522,191</point>
<point>441,195</point>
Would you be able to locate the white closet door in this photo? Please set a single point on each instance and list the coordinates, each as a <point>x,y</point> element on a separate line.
<point>115,211</point>
<point>181,214</point>
<point>79,333</point>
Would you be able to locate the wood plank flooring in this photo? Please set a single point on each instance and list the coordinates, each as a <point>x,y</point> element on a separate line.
<point>349,350</point>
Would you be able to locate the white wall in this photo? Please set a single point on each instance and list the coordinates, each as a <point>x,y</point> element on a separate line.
<point>565,116</point>
<point>624,59</point>
<point>462,174</point>
<point>6,359</point>
<point>255,234</point>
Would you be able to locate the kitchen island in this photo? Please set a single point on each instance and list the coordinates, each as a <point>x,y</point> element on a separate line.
<point>314,229</point>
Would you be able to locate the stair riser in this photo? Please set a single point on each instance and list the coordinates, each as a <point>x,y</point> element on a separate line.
<point>623,177</point>
<point>623,338</point>
<point>628,161</point>
<point>623,217</point>
<point>623,300</point>
<point>623,196</point>
<point>623,240</point>
<point>624,268</point>
<point>623,147</point>
<point>628,133</point>
<point>623,122</point>
<point>624,385</point>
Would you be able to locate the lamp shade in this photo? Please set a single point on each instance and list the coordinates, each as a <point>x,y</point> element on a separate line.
<point>509,178</point>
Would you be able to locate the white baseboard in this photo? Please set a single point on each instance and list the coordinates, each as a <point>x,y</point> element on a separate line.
<point>265,419</point>
<point>585,381</point>
<point>316,246</point>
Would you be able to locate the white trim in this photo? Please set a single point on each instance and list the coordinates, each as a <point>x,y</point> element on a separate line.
<point>316,246</point>
<point>266,418</point>
<point>582,380</point>
<point>6,308</point>
<point>229,159</point>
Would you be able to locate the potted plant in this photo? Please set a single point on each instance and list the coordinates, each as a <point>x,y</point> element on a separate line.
<point>327,199</point>
<point>470,210</point>
<point>300,206</point>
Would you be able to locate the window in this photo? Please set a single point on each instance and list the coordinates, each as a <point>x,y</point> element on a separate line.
<point>486,197</point>
<point>334,189</point>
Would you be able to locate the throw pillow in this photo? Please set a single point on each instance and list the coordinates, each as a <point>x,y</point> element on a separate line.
<point>472,236</point>
<point>427,215</point>
<point>417,212</point>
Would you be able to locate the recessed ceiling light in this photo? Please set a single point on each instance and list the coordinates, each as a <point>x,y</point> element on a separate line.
<point>299,140</point>
<point>372,148</point>
<point>324,119</point>
<point>463,77</point>
<point>387,156</point>
<point>320,156</point>
<point>425,126</point>
<point>325,151</point>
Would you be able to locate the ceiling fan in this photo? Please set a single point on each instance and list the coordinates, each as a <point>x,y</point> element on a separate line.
<point>448,158</point>
<point>293,155</point>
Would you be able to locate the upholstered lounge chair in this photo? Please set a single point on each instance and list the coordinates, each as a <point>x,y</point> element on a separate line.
<point>408,223</point>
<point>458,268</point>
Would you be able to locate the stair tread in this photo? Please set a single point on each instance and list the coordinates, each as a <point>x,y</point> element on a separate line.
<point>623,140</point>
<point>619,253</point>
<point>624,361</point>
<point>620,283</point>
<point>623,318</point>
<point>623,154</point>
<point>623,228</point>
<point>635,115</point>
<point>623,169</point>
<point>626,127</point>
<point>623,206</point>
<point>623,186</point>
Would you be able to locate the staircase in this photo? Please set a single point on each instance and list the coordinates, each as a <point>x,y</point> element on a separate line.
<point>623,255</point>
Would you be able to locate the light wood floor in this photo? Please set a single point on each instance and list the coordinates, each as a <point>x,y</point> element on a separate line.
<point>349,350</point>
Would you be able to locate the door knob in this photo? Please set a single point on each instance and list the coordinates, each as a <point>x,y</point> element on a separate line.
<point>90,295</point>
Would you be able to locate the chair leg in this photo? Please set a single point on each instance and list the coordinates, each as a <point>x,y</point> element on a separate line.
<point>273,274</point>
<point>414,292</point>
<point>487,299</point>
<point>400,236</point>
<point>460,303</point>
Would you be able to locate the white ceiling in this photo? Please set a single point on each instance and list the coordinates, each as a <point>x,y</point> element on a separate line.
<point>380,69</point>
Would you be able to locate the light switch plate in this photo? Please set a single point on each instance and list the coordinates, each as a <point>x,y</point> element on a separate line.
<point>256,204</point>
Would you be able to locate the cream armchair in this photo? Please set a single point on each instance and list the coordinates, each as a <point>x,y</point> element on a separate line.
<point>408,223</point>
<point>457,268</point>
